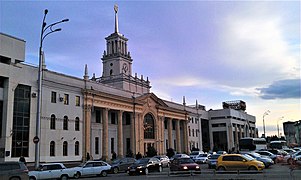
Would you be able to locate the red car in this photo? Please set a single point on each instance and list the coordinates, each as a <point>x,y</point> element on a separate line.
<point>184,164</point>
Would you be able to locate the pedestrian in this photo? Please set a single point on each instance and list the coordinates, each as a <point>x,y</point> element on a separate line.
<point>138,156</point>
<point>114,156</point>
<point>22,159</point>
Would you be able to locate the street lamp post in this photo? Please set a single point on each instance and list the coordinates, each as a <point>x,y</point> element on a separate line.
<point>278,125</point>
<point>264,114</point>
<point>46,30</point>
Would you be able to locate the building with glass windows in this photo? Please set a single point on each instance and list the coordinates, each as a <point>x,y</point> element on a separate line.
<point>116,112</point>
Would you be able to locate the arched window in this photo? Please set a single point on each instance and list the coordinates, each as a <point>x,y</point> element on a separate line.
<point>52,121</point>
<point>65,123</point>
<point>65,148</point>
<point>77,124</point>
<point>76,148</point>
<point>52,148</point>
<point>111,72</point>
<point>148,127</point>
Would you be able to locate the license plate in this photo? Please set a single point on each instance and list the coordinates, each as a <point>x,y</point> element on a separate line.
<point>133,170</point>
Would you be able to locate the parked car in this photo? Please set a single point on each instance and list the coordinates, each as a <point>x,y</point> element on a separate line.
<point>194,154</point>
<point>183,164</point>
<point>269,154</point>
<point>91,168</point>
<point>221,152</point>
<point>176,156</point>
<point>212,161</point>
<point>51,171</point>
<point>288,150</point>
<point>13,170</point>
<point>267,161</point>
<point>279,153</point>
<point>201,158</point>
<point>122,164</point>
<point>144,166</point>
<point>238,162</point>
<point>164,160</point>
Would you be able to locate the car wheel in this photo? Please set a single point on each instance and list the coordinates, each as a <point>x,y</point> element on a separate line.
<point>160,169</point>
<point>15,178</point>
<point>103,173</point>
<point>64,177</point>
<point>221,168</point>
<point>115,170</point>
<point>32,178</point>
<point>146,171</point>
<point>77,175</point>
<point>252,168</point>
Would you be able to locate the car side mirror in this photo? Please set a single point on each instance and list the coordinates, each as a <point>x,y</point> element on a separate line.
<point>244,160</point>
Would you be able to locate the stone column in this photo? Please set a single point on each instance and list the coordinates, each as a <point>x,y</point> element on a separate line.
<point>178,137</point>
<point>169,127</point>
<point>105,134</point>
<point>162,136</point>
<point>133,120</point>
<point>120,135</point>
<point>185,141</point>
<point>230,136</point>
<point>240,132</point>
<point>236,138</point>
<point>87,136</point>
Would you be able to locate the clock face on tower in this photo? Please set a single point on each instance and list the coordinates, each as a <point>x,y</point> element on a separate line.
<point>125,68</point>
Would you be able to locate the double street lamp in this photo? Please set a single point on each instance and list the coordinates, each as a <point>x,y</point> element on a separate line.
<point>280,119</point>
<point>46,30</point>
<point>264,114</point>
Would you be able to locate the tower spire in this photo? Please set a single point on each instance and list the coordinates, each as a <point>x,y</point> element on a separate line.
<point>116,18</point>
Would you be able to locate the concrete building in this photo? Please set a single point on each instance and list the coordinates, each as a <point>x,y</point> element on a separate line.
<point>289,129</point>
<point>98,115</point>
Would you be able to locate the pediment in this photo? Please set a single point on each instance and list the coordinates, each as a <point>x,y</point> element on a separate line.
<point>151,99</point>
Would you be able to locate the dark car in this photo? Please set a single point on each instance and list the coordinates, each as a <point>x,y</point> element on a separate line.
<point>122,164</point>
<point>13,170</point>
<point>144,166</point>
<point>183,164</point>
<point>212,161</point>
<point>267,161</point>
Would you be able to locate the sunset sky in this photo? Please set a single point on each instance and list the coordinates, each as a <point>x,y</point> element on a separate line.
<point>210,51</point>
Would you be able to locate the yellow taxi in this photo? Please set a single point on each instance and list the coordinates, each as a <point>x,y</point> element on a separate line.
<point>238,162</point>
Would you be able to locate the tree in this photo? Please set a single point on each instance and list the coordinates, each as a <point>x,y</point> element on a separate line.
<point>151,151</point>
<point>170,152</point>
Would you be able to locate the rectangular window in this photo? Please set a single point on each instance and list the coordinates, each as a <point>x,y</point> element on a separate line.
<point>175,144</point>
<point>112,145</point>
<point>192,132</point>
<point>127,119</point>
<point>166,144</point>
<point>173,125</point>
<point>113,119</point>
<point>189,132</point>
<point>98,115</point>
<point>165,124</point>
<point>53,97</point>
<point>77,100</point>
<point>66,99</point>
<point>96,145</point>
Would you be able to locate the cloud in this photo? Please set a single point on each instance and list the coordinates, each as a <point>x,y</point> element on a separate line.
<point>283,89</point>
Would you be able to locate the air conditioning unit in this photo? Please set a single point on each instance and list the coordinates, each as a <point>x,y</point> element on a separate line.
<point>61,99</point>
<point>34,95</point>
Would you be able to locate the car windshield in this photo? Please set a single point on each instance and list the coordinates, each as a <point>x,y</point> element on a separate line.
<point>81,165</point>
<point>194,153</point>
<point>214,156</point>
<point>186,161</point>
<point>202,155</point>
<point>255,155</point>
<point>249,158</point>
<point>116,161</point>
<point>142,161</point>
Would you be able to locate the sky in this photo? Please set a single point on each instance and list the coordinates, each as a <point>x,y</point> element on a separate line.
<point>209,51</point>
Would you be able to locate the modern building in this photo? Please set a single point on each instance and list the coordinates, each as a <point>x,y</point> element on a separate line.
<point>116,112</point>
<point>289,129</point>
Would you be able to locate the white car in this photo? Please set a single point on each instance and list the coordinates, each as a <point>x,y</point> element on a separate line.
<point>51,171</point>
<point>201,158</point>
<point>92,168</point>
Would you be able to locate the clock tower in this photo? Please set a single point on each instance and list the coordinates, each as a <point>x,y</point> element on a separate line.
<point>117,63</point>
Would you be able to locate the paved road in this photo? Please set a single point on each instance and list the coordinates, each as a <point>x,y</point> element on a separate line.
<point>277,171</point>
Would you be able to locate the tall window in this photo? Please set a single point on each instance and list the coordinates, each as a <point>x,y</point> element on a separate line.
<point>21,118</point>
<point>189,131</point>
<point>192,132</point>
<point>53,96</point>
<point>52,148</point>
<point>77,101</point>
<point>52,121</point>
<point>65,148</point>
<point>148,126</point>
<point>76,148</point>
<point>113,118</point>
<point>66,99</point>
<point>112,145</point>
<point>127,119</point>
<point>76,124</point>
<point>96,145</point>
<point>98,115</point>
<point>65,123</point>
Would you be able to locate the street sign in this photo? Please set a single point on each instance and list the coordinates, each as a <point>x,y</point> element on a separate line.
<point>36,139</point>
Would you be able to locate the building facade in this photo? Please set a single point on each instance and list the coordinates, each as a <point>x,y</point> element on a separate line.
<point>116,112</point>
